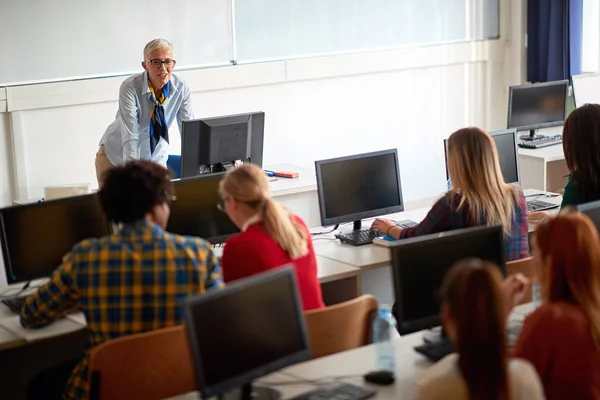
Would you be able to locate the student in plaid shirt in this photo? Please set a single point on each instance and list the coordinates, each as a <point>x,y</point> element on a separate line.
<point>479,197</point>
<point>132,281</point>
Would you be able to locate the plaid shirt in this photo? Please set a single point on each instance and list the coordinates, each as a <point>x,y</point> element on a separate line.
<point>130,282</point>
<point>445,216</point>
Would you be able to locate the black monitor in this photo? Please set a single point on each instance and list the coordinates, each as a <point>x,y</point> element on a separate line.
<point>508,155</point>
<point>592,210</point>
<point>217,144</point>
<point>195,212</point>
<point>253,327</point>
<point>536,106</point>
<point>35,237</point>
<point>420,264</point>
<point>360,186</point>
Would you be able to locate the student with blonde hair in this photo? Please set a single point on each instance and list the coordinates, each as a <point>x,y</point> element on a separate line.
<point>479,196</point>
<point>270,237</point>
<point>562,337</point>
<point>474,304</point>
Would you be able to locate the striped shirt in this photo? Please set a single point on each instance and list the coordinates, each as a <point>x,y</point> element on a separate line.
<point>445,216</point>
<point>129,282</point>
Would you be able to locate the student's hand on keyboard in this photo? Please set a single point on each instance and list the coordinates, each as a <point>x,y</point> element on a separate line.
<point>536,216</point>
<point>382,225</point>
<point>514,288</point>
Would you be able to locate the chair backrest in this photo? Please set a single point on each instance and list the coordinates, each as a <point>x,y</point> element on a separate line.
<point>525,267</point>
<point>151,365</point>
<point>341,327</point>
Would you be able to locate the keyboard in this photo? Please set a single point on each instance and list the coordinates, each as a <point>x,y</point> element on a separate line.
<point>538,205</point>
<point>542,142</point>
<point>435,351</point>
<point>14,304</point>
<point>366,236</point>
<point>338,391</point>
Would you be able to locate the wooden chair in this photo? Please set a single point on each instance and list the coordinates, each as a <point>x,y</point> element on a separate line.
<point>341,327</point>
<point>151,365</point>
<point>525,267</point>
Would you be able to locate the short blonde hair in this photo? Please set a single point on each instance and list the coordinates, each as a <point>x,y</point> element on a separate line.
<point>156,44</point>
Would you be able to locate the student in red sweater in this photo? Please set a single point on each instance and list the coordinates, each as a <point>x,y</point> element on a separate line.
<point>562,337</point>
<point>271,236</point>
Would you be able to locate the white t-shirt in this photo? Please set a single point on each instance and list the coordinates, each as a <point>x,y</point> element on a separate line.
<point>444,381</point>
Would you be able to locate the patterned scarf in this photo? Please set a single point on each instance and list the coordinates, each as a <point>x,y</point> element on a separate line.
<point>158,127</point>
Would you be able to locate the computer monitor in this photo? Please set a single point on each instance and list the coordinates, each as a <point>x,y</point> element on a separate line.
<point>35,237</point>
<point>253,327</point>
<point>420,264</point>
<point>508,155</point>
<point>360,186</point>
<point>586,89</point>
<point>592,210</point>
<point>537,106</point>
<point>195,212</point>
<point>218,144</point>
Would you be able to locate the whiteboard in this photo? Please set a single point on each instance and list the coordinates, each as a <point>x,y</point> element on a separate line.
<point>46,40</point>
<point>280,29</point>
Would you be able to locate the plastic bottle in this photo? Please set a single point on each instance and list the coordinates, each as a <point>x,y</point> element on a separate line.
<point>384,334</point>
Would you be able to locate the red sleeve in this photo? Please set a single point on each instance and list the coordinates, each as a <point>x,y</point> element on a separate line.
<point>240,259</point>
<point>534,344</point>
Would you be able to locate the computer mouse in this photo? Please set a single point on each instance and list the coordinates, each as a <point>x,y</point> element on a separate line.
<point>380,377</point>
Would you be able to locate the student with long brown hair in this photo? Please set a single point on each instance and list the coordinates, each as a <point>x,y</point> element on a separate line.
<point>479,196</point>
<point>562,337</point>
<point>474,317</point>
<point>270,237</point>
<point>581,145</point>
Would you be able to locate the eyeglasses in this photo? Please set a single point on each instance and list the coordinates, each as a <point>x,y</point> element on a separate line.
<point>157,63</point>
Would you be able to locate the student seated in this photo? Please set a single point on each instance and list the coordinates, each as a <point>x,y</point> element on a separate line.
<point>581,145</point>
<point>270,237</point>
<point>479,196</point>
<point>474,318</point>
<point>562,337</point>
<point>132,281</point>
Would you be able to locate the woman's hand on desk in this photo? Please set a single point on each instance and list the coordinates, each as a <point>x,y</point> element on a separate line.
<point>385,226</point>
<point>536,216</point>
<point>514,288</point>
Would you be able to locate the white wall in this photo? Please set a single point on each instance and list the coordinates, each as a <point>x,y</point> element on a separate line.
<point>315,108</point>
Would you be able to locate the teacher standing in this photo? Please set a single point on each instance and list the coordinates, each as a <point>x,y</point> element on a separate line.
<point>148,104</point>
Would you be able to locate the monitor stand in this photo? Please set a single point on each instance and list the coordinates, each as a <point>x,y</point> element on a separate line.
<point>250,392</point>
<point>531,136</point>
<point>434,335</point>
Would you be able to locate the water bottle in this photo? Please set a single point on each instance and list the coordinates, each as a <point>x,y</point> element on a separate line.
<point>535,294</point>
<point>384,333</point>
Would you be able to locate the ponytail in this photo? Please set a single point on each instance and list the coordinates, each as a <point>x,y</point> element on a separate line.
<point>288,233</point>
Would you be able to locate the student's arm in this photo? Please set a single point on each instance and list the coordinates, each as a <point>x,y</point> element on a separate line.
<point>570,196</point>
<point>130,127</point>
<point>534,343</point>
<point>241,259</point>
<point>214,278</point>
<point>53,298</point>
<point>185,112</point>
<point>438,219</point>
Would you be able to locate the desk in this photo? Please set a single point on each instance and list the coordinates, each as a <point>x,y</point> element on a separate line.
<point>374,261</point>
<point>543,169</point>
<point>355,363</point>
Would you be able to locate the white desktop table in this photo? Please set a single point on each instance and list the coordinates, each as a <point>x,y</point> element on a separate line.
<point>544,168</point>
<point>353,364</point>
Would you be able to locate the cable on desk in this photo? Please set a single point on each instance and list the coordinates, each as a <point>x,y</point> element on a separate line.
<point>335,228</point>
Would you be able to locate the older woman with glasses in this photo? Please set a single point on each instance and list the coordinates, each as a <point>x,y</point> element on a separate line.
<point>140,129</point>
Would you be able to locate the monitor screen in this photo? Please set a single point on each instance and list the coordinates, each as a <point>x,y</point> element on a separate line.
<point>592,210</point>
<point>212,145</point>
<point>508,156</point>
<point>586,89</point>
<point>535,106</point>
<point>361,186</point>
<point>194,212</point>
<point>35,237</point>
<point>251,328</point>
<point>420,264</point>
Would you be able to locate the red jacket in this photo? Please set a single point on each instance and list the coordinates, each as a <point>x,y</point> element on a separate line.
<point>254,251</point>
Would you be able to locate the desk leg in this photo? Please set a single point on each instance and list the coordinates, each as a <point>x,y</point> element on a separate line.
<point>341,290</point>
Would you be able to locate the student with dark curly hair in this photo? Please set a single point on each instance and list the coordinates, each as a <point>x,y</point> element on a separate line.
<point>132,281</point>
